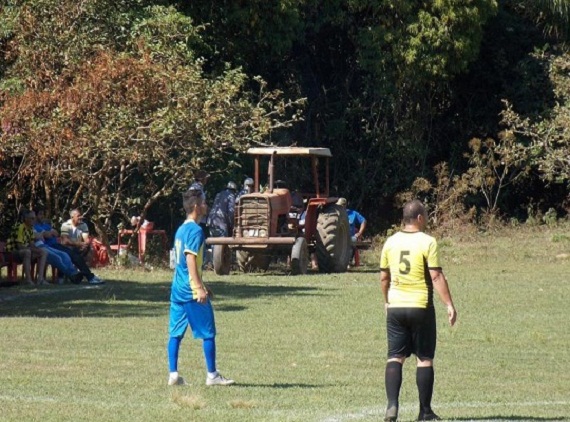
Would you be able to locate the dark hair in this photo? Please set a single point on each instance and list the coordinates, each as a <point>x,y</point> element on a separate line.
<point>190,199</point>
<point>201,175</point>
<point>412,209</point>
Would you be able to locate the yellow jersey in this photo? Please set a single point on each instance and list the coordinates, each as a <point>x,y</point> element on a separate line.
<point>408,257</point>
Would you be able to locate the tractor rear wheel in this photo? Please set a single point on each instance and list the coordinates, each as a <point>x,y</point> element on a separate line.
<point>333,244</point>
<point>222,259</point>
<point>251,261</point>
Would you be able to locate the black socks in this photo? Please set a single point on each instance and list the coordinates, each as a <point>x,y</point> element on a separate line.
<point>393,380</point>
<point>424,381</point>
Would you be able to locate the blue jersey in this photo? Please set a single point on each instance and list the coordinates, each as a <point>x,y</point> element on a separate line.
<point>354,218</point>
<point>189,239</point>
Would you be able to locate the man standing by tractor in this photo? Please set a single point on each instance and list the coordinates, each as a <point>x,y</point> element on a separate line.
<point>221,217</point>
<point>247,187</point>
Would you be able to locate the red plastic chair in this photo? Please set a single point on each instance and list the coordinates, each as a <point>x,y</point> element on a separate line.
<point>7,260</point>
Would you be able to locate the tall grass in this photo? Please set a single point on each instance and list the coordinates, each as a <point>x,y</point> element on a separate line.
<point>303,348</point>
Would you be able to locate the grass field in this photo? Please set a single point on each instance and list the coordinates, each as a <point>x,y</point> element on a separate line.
<point>309,348</point>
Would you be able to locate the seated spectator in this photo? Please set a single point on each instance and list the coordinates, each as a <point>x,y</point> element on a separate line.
<point>21,245</point>
<point>57,258</point>
<point>75,234</point>
<point>76,257</point>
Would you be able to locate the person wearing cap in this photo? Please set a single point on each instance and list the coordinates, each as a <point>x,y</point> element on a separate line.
<point>221,217</point>
<point>247,188</point>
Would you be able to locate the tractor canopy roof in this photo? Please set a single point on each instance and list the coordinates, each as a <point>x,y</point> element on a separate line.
<point>291,151</point>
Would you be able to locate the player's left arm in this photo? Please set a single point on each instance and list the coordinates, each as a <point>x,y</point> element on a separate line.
<point>439,281</point>
<point>192,263</point>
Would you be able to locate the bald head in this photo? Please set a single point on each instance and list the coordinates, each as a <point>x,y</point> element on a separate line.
<point>412,210</point>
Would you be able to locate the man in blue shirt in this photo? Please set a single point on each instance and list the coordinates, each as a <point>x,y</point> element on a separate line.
<point>357,225</point>
<point>74,254</point>
<point>356,221</point>
<point>190,299</point>
<point>46,237</point>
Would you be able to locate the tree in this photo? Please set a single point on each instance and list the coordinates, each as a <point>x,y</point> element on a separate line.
<point>552,15</point>
<point>126,124</point>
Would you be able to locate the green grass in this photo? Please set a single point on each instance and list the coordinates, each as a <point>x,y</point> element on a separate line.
<point>309,348</point>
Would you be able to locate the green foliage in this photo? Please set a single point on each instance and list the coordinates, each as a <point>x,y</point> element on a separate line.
<point>146,91</point>
<point>126,122</point>
<point>445,199</point>
<point>431,40</point>
<point>546,134</point>
<point>495,164</point>
<point>552,15</point>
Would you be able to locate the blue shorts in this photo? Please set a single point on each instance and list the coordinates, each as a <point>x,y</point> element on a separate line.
<point>200,317</point>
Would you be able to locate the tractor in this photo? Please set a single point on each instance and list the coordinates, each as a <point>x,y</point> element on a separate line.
<point>269,222</point>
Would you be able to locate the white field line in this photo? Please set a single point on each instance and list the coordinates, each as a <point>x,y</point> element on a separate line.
<point>379,411</point>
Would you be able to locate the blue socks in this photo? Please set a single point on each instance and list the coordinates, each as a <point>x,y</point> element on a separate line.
<point>209,346</point>
<point>173,348</point>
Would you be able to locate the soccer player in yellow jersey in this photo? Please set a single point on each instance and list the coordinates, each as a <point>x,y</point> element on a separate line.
<point>409,273</point>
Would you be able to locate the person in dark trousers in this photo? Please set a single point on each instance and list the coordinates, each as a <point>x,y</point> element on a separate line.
<point>75,255</point>
<point>221,217</point>
<point>409,273</point>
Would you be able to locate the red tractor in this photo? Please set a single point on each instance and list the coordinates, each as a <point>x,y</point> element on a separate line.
<point>270,222</point>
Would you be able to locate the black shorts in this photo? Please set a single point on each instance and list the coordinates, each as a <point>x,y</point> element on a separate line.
<point>411,330</point>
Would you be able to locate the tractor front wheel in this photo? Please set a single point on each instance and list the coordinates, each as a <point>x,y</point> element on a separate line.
<point>299,256</point>
<point>222,259</point>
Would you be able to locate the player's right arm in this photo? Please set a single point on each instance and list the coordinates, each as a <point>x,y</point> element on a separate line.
<point>440,285</point>
<point>385,276</point>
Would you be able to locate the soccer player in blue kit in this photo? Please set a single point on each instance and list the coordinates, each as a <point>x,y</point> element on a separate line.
<point>190,299</point>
